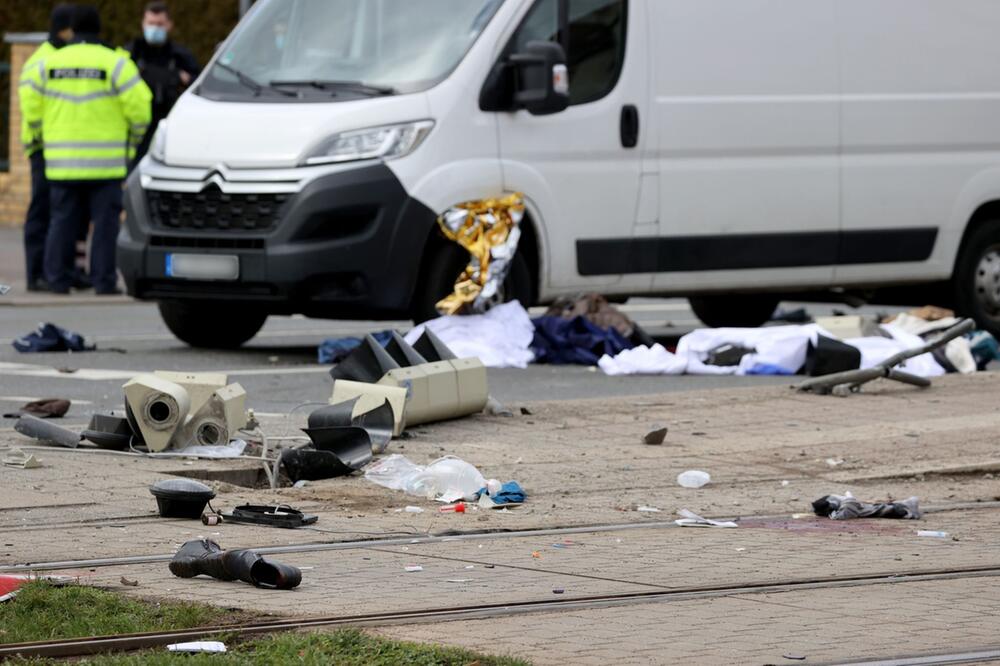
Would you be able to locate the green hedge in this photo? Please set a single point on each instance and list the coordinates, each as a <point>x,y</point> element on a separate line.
<point>198,24</point>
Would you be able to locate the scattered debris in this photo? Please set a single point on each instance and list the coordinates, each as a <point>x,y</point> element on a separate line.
<point>495,408</point>
<point>846,507</point>
<point>932,533</point>
<point>655,436</point>
<point>178,410</point>
<point>844,383</point>
<point>526,412</point>
<point>181,498</point>
<point>488,230</point>
<point>21,459</point>
<point>4,289</point>
<point>558,590</point>
<point>413,568</point>
<point>536,555</point>
<point>51,338</point>
<point>270,515</point>
<point>36,428</point>
<point>647,509</point>
<point>412,509</point>
<point>835,462</point>
<point>195,647</point>
<point>128,583</point>
<point>794,657</point>
<point>446,479</point>
<point>204,556</point>
<point>109,431</point>
<point>458,507</point>
<point>691,519</point>
<point>47,408</point>
<point>693,479</point>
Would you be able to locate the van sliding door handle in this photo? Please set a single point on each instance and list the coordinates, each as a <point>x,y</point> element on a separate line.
<point>630,126</point>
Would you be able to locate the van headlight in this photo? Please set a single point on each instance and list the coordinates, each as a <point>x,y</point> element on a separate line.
<point>158,146</point>
<point>385,142</point>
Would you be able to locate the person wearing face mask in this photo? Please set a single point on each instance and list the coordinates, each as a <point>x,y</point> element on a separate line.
<point>167,67</point>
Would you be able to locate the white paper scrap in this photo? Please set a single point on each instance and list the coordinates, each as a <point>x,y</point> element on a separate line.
<point>692,519</point>
<point>198,646</point>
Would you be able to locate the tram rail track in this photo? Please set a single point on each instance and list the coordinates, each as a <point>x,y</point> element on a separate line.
<point>79,647</point>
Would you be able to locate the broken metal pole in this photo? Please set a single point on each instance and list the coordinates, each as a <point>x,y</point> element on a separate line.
<point>852,380</point>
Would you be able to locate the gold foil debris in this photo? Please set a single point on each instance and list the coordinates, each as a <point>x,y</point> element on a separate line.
<point>489,230</point>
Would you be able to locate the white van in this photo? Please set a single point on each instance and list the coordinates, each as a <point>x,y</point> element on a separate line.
<point>732,151</point>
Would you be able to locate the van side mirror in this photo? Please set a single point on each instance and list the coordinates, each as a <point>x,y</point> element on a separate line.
<point>541,78</point>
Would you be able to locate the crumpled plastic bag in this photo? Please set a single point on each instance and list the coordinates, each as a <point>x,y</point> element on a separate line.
<point>447,479</point>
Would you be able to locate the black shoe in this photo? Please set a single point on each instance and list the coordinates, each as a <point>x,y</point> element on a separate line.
<point>251,568</point>
<point>202,556</point>
<point>38,285</point>
<point>114,291</point>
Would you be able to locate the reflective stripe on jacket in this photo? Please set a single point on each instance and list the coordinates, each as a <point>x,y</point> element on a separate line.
<point>29,141</point>
<point>90,108</point>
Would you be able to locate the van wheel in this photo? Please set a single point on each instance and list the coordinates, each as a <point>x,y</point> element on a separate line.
<point>446,263</point>
<point>739,310</point>
<point>977,277</point>
<point>211,325</point>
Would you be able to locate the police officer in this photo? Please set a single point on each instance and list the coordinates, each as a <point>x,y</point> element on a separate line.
<point>36,224</point>
<point>166,66</point>
<point>90,108</point>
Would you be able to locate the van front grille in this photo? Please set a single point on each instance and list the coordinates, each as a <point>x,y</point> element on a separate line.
<point>215,210</point>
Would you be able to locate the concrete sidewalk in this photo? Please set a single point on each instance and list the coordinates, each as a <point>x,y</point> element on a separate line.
<point>583,464</point>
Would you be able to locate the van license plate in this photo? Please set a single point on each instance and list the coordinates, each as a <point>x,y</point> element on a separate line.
<point>203,266</point>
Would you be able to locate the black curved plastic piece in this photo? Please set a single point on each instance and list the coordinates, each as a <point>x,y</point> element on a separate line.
<point>431,348</point>
<point>402,353</point>
<point>368,363</point>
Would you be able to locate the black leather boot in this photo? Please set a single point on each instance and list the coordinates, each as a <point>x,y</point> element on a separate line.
<point>250,567</point>
<point>201,556</point>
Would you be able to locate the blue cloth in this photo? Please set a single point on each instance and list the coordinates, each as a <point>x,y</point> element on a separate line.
<point>510,493</point>
<point>335,349</point>
<point>51,338</point>
<point>575,341</point>
<point>768,369</point>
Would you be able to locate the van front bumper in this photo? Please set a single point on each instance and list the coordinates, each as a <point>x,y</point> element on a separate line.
<point>345,244</point>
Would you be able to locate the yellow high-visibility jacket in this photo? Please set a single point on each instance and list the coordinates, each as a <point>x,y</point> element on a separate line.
<point>90,108</point>
<point>28,140</point>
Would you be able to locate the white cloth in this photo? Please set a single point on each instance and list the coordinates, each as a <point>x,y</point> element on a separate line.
<point>780,349</point>
<point>958,351</point>
<point>501,338</point>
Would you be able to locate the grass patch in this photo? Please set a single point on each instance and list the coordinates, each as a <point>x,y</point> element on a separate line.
<point>42,611</point>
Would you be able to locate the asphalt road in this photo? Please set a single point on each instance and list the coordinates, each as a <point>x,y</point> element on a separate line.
<point>278,368</point>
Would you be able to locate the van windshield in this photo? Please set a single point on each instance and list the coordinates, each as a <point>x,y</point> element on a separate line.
<point>318,50</point>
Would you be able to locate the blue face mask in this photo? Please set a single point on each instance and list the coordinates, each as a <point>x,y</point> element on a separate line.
<point>154,34</point>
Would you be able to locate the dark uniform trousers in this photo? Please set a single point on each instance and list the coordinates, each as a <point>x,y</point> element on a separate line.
<point>36,225</point>
<point>100,201</point>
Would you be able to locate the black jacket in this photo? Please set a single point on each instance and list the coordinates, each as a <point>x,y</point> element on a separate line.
<point>160,67</point>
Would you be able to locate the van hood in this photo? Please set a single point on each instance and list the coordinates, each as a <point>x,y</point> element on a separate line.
<point>247,135</point>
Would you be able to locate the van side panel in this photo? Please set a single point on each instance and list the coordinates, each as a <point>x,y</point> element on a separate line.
<point>746,107</point>
<point>921,122</point>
